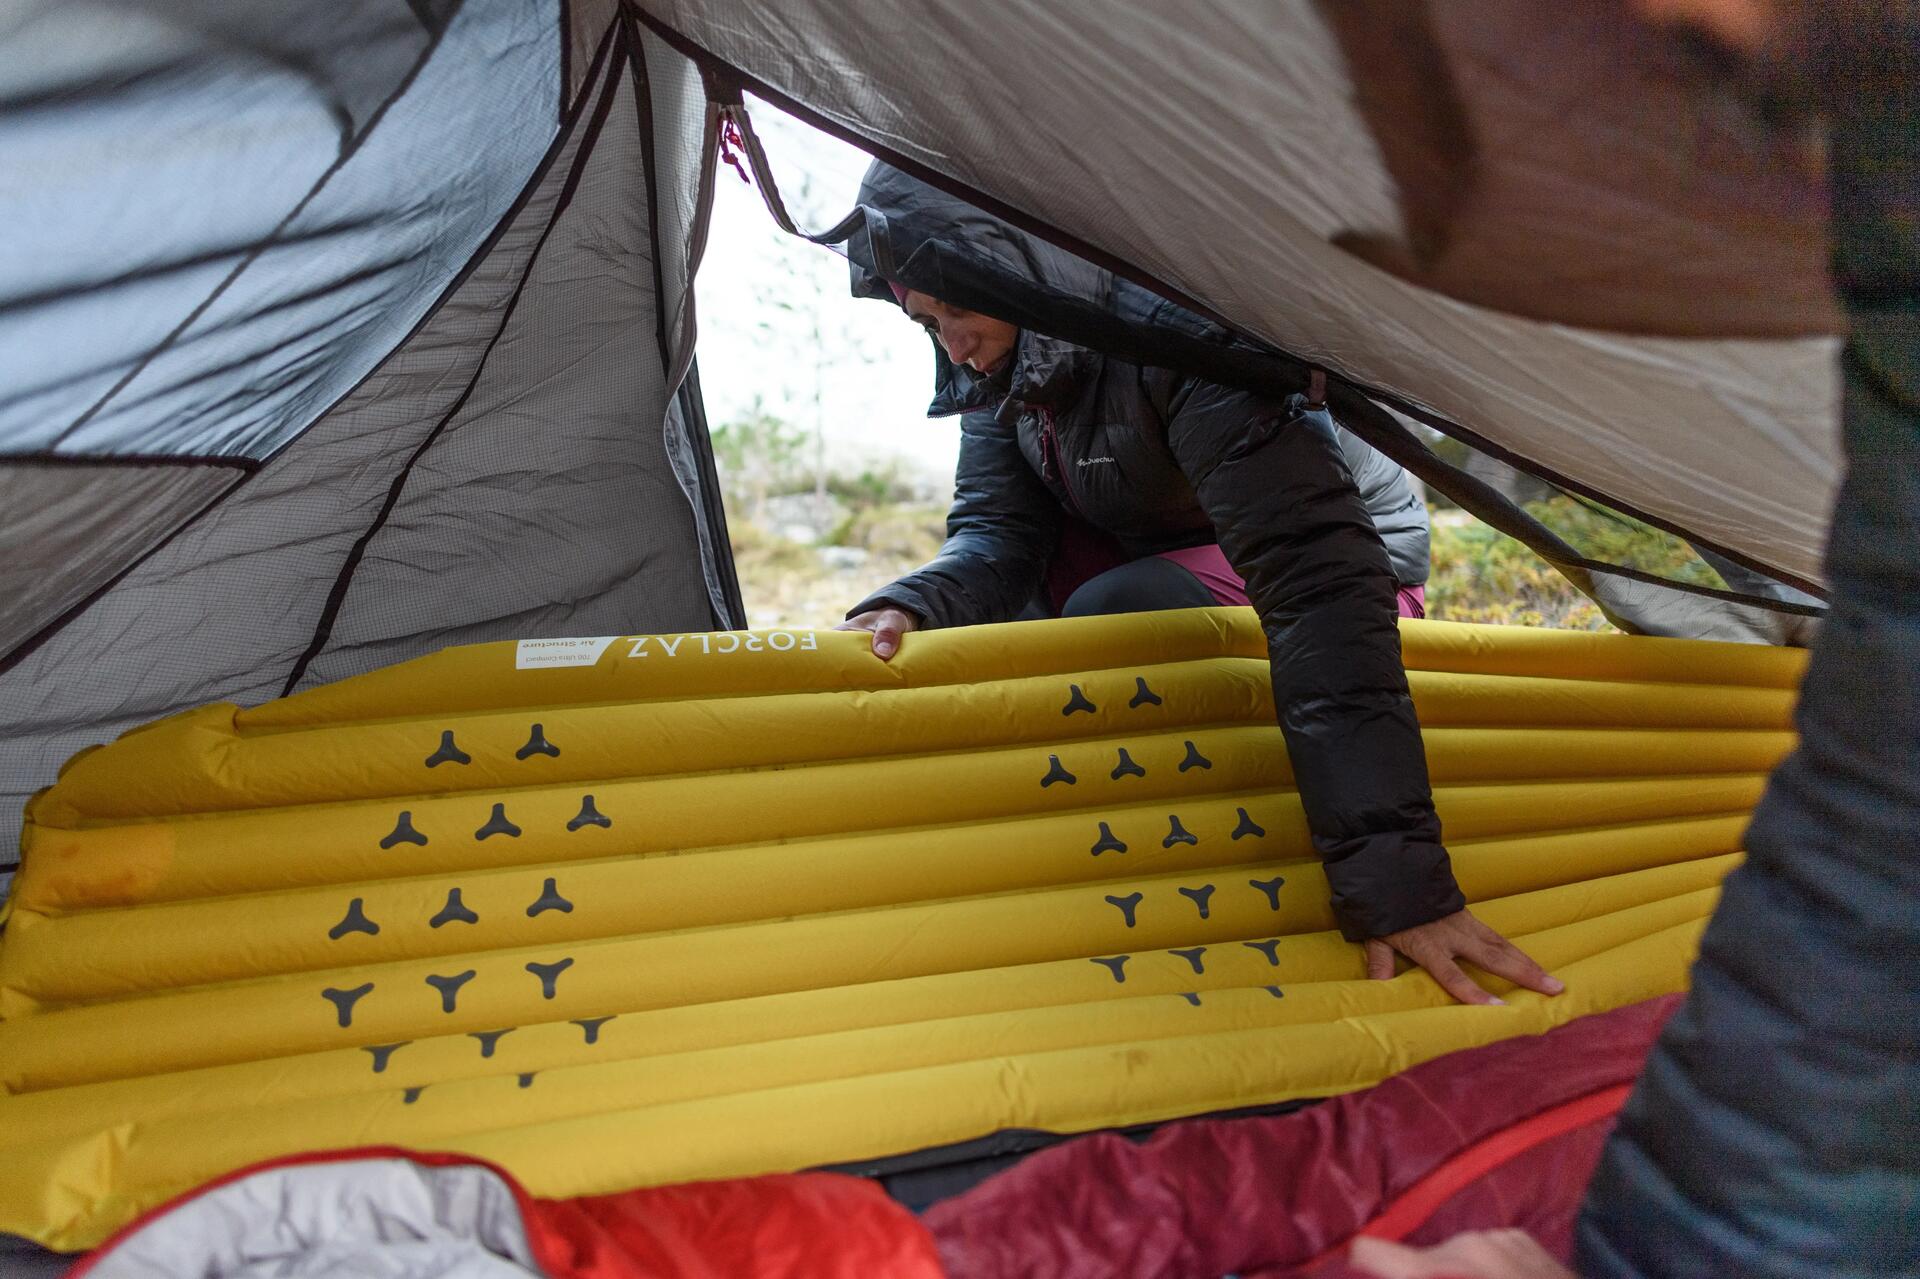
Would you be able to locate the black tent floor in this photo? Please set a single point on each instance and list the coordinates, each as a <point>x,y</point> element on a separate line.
<point>25,1259</point>
<point>920,1179</point>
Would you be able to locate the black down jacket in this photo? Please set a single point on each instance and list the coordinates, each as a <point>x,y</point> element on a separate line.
<point>1776,1130</point>
<point>1160,461</point>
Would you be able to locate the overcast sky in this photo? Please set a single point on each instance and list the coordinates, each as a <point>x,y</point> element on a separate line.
<point>874,368</point>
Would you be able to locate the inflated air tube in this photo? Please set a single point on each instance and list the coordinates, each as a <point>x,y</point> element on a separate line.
<point>618,912</point>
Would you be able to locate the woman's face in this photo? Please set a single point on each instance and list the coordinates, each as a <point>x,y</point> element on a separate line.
<point>978,341</point>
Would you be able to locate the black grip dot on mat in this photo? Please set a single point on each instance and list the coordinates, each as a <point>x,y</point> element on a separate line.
<point>1142,695</point>
<point>1056,772</point>
<point>1177,834</point>
<point>550,899</point>
<point>448,752</point>
<point>449,988</point>
<point>589,816</point>
<point>410,1095</point>
<point>1193,956</point>
<point>403,832</point>
<point>1247,826</point>
<point>1078,702</point>
<point>1271,887</point>
<point>1126,905</point>
<point>592,1025</point>
<point>1194,759</point>
<point>354,921</point>
<point>1107,843</point>
<point>383,1053</point>
<point>454,912</point>
<point>489,1039</point>
<point>1125,767</point>
<point>1270,948</point>
<point>549,974</point>
<point>1191,996</point>
<point>344,1000</point>
<point>537,744</point>
<point>1115,964</point>
<point>1200,897</point>
<point>498,825</point>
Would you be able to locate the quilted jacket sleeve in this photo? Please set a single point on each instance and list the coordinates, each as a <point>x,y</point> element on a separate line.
<point>1000,535</point>
<point>1275,484</point>
<point>1775,1131</point>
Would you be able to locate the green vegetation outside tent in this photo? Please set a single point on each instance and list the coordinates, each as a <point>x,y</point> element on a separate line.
<point>804,558</point>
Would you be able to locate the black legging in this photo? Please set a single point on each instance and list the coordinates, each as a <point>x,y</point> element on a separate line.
<point>1145,585</point>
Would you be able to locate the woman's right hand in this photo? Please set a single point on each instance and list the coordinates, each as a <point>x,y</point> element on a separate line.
<point>887,624</point>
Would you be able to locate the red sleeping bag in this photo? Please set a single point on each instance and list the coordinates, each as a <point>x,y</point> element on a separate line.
<point>1505,1135</point>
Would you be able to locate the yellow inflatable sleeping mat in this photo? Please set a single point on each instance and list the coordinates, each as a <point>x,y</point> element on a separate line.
<point>617,912</point>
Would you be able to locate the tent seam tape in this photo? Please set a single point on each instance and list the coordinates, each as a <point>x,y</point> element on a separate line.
<point>562,106</point>
<point>233,462</point>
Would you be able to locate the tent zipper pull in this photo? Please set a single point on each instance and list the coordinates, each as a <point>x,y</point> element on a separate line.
<point>730,138</point>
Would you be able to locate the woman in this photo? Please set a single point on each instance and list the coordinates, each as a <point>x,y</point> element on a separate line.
<point>1088,484</point>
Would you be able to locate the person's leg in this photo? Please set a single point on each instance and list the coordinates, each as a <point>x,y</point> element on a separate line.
<point>1197,577</point>
<point>1082,554</point>
<point>1209,564</point>
<point>1140,586</point>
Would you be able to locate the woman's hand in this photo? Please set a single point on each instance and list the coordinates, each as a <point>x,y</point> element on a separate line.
<point>1437,945</point>
<point>887,624</point>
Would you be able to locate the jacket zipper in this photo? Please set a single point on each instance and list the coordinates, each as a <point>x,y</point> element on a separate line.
<point>1050,457</point>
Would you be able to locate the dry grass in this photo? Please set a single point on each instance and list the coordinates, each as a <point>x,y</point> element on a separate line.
<point>787,582</point>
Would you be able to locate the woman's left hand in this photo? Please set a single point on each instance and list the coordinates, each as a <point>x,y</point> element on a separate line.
<point>1436,947</point>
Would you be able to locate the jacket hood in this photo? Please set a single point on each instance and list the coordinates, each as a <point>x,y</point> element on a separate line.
<point>913,234</point>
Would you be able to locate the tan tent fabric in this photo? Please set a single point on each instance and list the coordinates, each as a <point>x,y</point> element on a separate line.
<point>1225,152</point>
